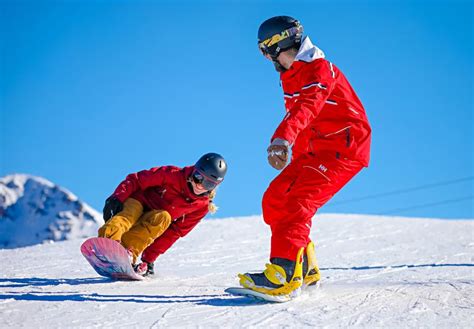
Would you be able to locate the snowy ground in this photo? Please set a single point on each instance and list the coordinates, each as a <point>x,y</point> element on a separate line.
<point>377,272</point>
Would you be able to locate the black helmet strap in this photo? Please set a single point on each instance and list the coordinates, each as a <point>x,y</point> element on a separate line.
<point>274,56</point>
<point>280,68</point>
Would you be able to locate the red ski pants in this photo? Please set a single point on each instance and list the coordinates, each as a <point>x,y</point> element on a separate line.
<point>294,196</point>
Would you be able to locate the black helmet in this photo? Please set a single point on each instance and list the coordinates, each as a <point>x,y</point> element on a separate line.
<point>279,33</point>
<point>209,170</point>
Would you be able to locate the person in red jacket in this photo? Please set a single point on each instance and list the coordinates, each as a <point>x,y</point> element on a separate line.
<point>326,127</point>
<point>151,209</point>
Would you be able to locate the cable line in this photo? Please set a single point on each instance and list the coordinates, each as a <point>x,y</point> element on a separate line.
<point>402,191</point>
<point>426,205</point>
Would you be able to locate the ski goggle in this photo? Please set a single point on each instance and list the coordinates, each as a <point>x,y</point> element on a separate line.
<point>272,45</point>
<point>207,182</point>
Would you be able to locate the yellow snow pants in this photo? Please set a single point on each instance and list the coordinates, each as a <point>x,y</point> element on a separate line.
<point>133,228</point>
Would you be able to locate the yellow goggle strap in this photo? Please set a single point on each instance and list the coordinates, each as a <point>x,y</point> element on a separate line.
<point>280,36</point>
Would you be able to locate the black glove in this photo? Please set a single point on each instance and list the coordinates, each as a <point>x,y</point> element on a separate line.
<point>112,207</point>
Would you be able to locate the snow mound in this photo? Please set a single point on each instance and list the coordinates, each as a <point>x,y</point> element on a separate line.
<point>34,210</point>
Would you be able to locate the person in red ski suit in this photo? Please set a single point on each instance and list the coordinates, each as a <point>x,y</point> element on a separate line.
<point>151,209</point>
<point>326,127</point>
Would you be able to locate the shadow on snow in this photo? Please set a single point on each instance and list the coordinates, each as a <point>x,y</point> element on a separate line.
<point>40,282</point>
<point>214,300</point>
<point>383,267</point>
<point>35,282</point>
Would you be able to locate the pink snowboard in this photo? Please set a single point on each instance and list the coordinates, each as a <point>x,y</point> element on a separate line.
<point>109,258</point>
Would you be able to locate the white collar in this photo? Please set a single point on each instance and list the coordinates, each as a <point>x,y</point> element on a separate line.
<point>308,52</point>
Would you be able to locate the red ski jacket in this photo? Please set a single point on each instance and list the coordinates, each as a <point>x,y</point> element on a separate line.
<point>323,111</point>
<point>166,188</point>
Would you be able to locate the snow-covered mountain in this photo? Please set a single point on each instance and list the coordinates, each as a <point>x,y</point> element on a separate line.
<point>34,210</point>
<point>377,272</point>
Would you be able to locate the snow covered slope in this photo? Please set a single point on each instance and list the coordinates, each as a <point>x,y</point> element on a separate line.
<point>34,210</point>
<point>377,272</point>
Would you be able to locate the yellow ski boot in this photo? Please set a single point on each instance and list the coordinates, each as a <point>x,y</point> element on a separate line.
<point>283,277</point>
<point>311,275</point>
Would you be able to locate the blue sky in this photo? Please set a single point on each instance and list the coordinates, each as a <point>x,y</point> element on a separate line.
<point>94,90</point>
